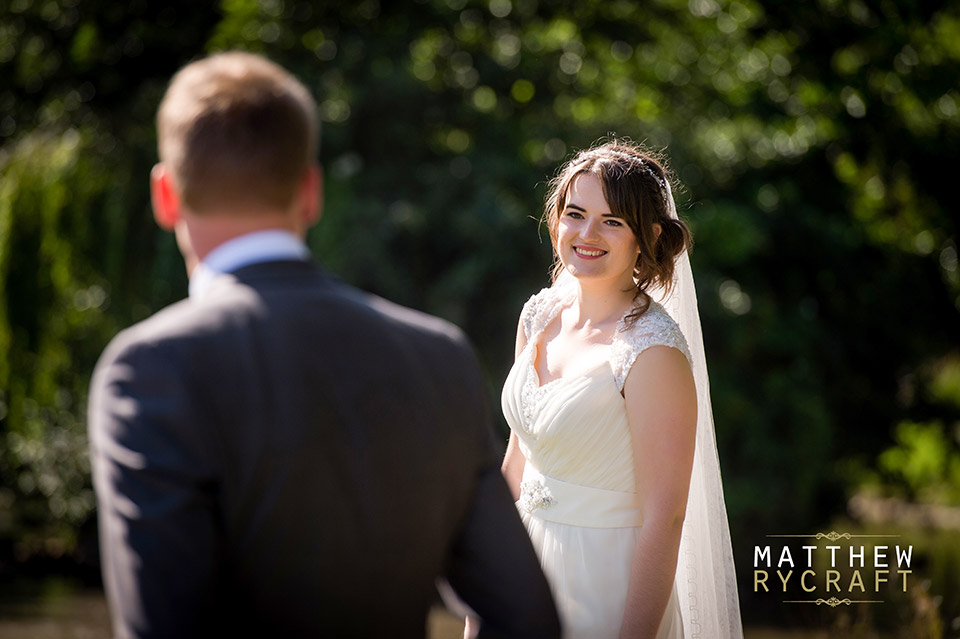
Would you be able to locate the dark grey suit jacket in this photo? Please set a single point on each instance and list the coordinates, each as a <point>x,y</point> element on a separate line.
<point>291,457</point>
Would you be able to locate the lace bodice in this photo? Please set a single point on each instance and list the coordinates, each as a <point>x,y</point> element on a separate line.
<point>575,428</point>
<point>654,328</point>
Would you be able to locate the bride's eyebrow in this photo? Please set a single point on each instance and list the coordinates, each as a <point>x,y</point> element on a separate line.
<point>577,207</point>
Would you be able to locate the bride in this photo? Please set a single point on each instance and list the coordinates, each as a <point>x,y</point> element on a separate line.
<point>612,456</point>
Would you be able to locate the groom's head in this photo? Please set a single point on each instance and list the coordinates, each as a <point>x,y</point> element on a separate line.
<point>238,141</point>
<point>236,131</point>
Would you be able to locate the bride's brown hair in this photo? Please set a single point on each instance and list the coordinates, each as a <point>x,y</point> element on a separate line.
<point>634,182</point>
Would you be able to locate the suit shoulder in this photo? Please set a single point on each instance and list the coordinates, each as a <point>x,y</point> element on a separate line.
<point>412,321</point>
<point>184,320</point>
<point>145,334</point>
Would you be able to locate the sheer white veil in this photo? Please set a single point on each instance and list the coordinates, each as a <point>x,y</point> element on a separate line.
<point>706,578</point>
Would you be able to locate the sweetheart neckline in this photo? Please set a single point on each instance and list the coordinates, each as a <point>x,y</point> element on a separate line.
<point>538,385</point>
<point>532,346</point>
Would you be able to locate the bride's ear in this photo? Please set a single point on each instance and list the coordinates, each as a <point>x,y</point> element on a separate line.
<point>164,198</point>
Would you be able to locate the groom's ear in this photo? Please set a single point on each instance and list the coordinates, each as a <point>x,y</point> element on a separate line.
<point>311,196</point>
<point>164,198</point>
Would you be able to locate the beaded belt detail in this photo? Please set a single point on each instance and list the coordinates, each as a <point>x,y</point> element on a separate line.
<point>551,499</point>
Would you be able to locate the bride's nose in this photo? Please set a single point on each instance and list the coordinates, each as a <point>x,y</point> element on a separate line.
<point>590,228</point>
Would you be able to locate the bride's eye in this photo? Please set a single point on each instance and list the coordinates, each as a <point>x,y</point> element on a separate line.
<point>574,214</point>
<point>614,223</point>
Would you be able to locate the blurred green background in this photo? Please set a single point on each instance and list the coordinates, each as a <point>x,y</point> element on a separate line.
<point>817,143</point>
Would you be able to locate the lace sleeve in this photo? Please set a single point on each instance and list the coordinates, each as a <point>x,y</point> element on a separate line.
<point>653,328</point>
<point>536,312</point>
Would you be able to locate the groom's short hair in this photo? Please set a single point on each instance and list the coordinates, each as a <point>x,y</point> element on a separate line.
<point>237,131</point>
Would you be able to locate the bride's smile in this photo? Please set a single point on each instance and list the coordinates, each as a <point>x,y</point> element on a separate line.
<point>587,252</point>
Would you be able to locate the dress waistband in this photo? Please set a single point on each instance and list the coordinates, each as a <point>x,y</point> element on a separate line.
<point>551,499</point>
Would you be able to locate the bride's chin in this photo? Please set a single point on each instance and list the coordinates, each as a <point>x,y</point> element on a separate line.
<point>584,275</point>
<point>580,271</point>
<point>595,278</point>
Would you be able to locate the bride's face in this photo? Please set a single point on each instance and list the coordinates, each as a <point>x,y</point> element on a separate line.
<point>591,241</point>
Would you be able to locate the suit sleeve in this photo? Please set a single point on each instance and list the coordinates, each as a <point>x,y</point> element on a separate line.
<point>493,567</point>
<point>154,481</point>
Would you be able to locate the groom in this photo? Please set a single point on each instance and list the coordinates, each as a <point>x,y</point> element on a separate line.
<point>281,455</point>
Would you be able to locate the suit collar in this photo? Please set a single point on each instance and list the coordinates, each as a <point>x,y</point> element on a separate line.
<point>252,248</point>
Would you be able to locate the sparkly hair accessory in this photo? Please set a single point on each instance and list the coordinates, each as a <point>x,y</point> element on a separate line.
<point>634,160</point>
<point>645,168</point>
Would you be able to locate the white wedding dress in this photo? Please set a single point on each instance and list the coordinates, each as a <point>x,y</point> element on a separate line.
<point>578,496</point>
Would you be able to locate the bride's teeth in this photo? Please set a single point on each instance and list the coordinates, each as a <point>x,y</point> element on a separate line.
<point>589,253</point>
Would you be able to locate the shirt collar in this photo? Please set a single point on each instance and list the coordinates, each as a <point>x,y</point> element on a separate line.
<point>251,248</point>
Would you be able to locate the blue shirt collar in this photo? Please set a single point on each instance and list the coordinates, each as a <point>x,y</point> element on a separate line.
<point>251,248</point>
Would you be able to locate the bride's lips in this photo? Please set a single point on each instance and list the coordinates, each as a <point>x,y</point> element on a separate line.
<point>588,252</point>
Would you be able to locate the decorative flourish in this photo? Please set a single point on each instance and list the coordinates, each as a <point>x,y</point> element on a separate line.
<point>833,535</point>
<point>833,602</point>
<point>534,495</point>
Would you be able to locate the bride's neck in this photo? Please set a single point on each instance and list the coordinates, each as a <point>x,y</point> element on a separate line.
<point>600,305</point>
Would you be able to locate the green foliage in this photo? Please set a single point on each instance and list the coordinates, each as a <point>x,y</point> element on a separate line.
<point>79,256</point>
<point>926,461</point>
<point>52,324</point>
<point>923,465</point>
<point>816,142</point>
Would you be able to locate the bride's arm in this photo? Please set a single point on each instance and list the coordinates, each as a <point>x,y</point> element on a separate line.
<point>512,466</point>
<point>513,460</point>
<point>661,402</point>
